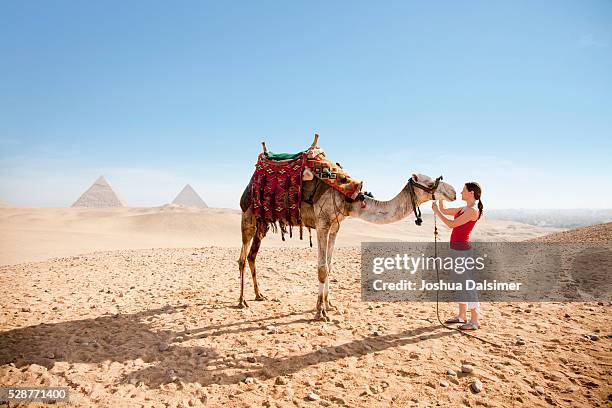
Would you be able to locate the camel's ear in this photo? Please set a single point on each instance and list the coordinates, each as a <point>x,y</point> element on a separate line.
<point>415,177</point>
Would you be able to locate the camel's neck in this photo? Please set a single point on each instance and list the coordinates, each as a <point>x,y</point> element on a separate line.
<point>385,212</point>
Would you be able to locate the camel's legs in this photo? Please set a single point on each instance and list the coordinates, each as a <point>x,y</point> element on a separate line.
<point>330,250</point>
<point>259,235</point>
<point>248,231</point>
<point>322,239</point>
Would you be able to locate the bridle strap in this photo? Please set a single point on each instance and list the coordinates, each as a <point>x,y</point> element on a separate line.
<point>413,199</point>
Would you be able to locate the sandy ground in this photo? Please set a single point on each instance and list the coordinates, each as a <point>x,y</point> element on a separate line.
<point>159,328</point>
<point>35,234</point>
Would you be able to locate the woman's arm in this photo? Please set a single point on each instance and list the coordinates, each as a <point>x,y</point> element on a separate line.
<point>447,211</point>
<point>468,215</point>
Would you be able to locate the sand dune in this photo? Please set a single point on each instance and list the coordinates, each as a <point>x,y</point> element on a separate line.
<point>34,234</point>
<point>594,233</point>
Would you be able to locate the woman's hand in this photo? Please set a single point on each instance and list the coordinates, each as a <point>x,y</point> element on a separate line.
<point>434,207</point>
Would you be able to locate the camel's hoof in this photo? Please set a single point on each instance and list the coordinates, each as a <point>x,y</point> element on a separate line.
<point>260,297</point>
<point>322,316</point>
<point>242,304</point>
<point>331,306</point>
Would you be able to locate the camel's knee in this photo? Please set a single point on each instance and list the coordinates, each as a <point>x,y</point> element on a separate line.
<point>241,264</point>
<point>323,271</point>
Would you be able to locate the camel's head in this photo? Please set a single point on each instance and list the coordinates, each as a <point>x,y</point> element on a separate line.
<point>444,191</point>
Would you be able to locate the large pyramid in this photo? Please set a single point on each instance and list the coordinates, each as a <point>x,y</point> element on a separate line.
<point>99,195</point>
<point>189,198</point>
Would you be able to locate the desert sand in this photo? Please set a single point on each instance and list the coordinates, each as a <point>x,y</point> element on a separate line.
<point>158,327</point>
<point>34,234</point>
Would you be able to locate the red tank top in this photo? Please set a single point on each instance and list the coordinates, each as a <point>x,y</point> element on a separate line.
<point>460,236</point>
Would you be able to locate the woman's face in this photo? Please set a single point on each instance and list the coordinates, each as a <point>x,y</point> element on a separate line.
<point>466,195</point>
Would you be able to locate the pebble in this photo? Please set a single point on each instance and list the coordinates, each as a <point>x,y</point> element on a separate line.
<point>539,389</point>
<point>171,374</point>
<point>450,372</point>
<point>476,386</point>
<point>444,384</point>
<point>520,342</point>
<point>467,368</point>
<point>50,355</point>
<point>594,337</point>
<point>25,309</point>
<point>251,359</point>
<point>280,381</point>
<point>272,329</point>
<point>249,380</point>
<point>367,391</point>
<point>312,396</point>
<point>163,346</point>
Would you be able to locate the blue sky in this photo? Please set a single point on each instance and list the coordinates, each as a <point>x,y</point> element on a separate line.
<point>516,95</point>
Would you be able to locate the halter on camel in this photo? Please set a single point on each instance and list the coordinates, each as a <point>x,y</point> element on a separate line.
<point>431,190</point>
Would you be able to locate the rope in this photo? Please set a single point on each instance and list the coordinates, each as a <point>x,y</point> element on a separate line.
<point>463,332</point>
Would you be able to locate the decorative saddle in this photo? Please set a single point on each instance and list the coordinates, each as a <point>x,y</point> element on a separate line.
<point>276,185</point>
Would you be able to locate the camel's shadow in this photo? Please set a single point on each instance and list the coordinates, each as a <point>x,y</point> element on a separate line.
<point>129,337</point>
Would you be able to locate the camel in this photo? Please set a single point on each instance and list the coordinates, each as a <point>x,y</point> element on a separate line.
<point>328,209</point>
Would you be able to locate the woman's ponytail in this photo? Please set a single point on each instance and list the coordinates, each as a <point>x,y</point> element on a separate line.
<point>475,188</point>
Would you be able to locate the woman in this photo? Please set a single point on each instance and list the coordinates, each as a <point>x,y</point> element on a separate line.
<point>464,220</point>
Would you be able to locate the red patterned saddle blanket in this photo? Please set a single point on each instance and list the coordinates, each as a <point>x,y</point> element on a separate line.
<point>276,190</point>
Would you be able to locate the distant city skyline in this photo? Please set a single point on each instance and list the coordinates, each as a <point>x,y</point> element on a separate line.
<point>517,96</point>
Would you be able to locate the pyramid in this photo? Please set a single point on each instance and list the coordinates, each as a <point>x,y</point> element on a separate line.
<point>99,195</point>
<point>189,198</point>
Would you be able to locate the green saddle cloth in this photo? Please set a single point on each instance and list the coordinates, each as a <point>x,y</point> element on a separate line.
<point>282,156</point>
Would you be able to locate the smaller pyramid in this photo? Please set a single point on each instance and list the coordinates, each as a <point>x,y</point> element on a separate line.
<point>189,198</point>
<point>99,195</point>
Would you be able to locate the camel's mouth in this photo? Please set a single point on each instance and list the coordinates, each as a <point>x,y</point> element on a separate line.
<point>453,197</point>
<point>447,192</point>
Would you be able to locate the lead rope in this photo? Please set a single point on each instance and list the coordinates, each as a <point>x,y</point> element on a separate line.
<point>438,293</point>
